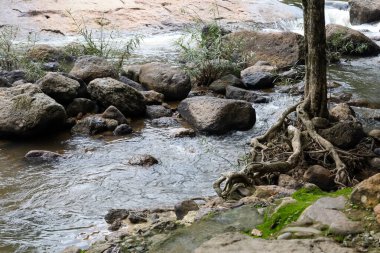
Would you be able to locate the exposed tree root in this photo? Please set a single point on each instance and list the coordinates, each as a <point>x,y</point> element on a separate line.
<point>266,149</point>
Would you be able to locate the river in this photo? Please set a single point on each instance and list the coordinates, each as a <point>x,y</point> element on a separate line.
<point>47,207</point>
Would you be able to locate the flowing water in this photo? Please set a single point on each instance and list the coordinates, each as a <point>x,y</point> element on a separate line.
<point>46,207</point>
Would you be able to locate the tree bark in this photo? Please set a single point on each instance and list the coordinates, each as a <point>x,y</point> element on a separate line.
<point>315,48</point>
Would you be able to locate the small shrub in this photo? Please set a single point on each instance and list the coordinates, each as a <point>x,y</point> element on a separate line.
<point>208,56</point>
<point>340,45</point>
<point>9,58</point>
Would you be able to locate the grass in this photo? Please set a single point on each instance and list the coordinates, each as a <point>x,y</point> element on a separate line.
<point>287,214</point>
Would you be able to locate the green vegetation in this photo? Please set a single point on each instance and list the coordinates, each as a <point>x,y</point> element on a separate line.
<point>102,41</point>
<point>340,45</point>
<point>207,55</point>
<point>289,213</point>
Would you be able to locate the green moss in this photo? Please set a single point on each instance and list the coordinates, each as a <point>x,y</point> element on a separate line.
<point>289,213</point>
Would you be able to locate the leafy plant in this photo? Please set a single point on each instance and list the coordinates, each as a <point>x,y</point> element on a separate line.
<point>102,41</point>
<point>339,44</point>
<point>208,56</point>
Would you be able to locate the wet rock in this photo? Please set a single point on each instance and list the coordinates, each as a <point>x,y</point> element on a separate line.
<point>217,116</point>
<point>364,11</point>
<point>143,160</point>
<point>59,87</point>
<point>132,83</point>
<point>81,105</point>
<point>165,122</point>
<point>42,155</point>
<point>375,133</point>
<point>349,41</point>
<point>326,212</point>
<point>183,208</point>
<point>220,85</point>
<point>320,176</point>
<point>108,91</point>
<point>281,49</point>
<point>46,53</point>
<point>287,181</point>
<point>72,249</point>
<point>132,72</point>
<point>182,132</point>
<point>172,82</point>
<point>367,192</point>
<point>116,214</point>
<point>257,80</point>
<point>116,225</point>
<point>320,123</point>
<point>152,97</point>
<point>89,68</point>
<point>13,76</point>
<point>25,111</point>
<point>157,111</point>
<point>377,151</point>
<point>122,129</point>
<point>243,94</point>
<point>238,242</point>
<point>113,113</point>
<point>342,112</point>
<point>137,217</point>
<point>344,134</point>
<point>92,125</point>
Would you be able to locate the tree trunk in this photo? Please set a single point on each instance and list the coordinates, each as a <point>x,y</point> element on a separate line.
<point>315,47</point>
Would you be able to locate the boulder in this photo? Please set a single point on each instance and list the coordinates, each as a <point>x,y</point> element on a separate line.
<point>132,72</point>
<point>367,192</point>
<point>152,97</point>
<point>116,214</point>
<point>81,105</point>
<point>108,91</point>
<point>12,76</point>
<point>344,135</point>
<point>364,11</point>
<point>89,68</point>
<point>143,160</point>
<point>257,80</point>
<point>320,176</point>
<point>171,81</point>
<point>217,116</point>
<point>239,242</point>
<point>26,111</point>
<point>280,49</point>
<point>132,83</point>
<point>243,94</point>
<point>59,87</point>
<point>41,155</point>
<point>342,112</point>
<point>157,111</point>
<point>46,53</point>
<point>181,209</point>
<point>122,129</point>
<point>113,113</point>
<point>92,125</point>
<point>349,41</point>
<point>219,86</point>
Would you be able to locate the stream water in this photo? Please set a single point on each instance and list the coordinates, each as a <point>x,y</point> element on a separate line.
<point>47,207</point>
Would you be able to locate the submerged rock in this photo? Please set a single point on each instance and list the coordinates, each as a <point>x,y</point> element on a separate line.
<point>92,125</point>
<point>171,81</point>
<point>143,160</point>
<point>216,115</point>
<point>42,155</point>
<point>122,129</point>
<point>364,11</point>
<point>89,68</point>
<point>108,91</point>
<point>367,192</point>
<point>165,122</point>
<point>26,111</point>
<point>243,94</point>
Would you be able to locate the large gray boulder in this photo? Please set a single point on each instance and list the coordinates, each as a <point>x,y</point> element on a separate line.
<point>217,116</point>
<point>364,11</point>
<point>349,41</point>
<point>108,91</point>
<point>59,87</point>
<point>346,134</point>
<point>279,49</point>
<point>89,68</point>
<point>25,111</point>
<point>171,81</point>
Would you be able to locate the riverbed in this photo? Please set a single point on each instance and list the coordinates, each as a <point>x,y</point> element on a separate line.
<point>45,207</point>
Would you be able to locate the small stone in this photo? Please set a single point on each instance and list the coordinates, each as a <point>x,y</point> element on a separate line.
<point>113,113</point>
<point>143,160</point>
<point>342,112</point>
<point>377,151</point>
<point>319,176</point>
<point>375,133</point>
<point>284,236</point>
<point>375,163</point>
<point>115,225</point>
<point>41,155</point>
<point>137,217</point>
<point>287,181</point>
<point>153,97</point>
<point>122,129</point>
<point>367,192</point>
<point>181,209</point>
<point>256,232</point>
<point>116,214</point>
<point>165,122</point>
<point>182,132</point>
<point>157,111</point>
